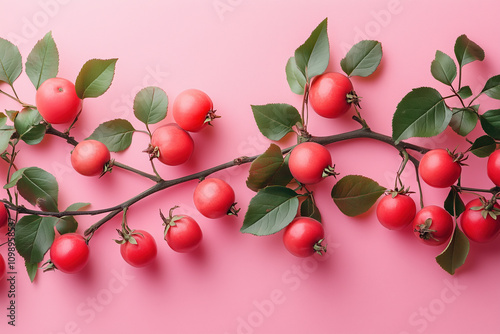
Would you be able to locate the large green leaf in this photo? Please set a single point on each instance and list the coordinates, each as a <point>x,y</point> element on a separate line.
<point>356,194</point>
<point>95,77</point>
<point>313,56</point>
<point>275,120</point>
<point>463,121</point>
<point>467,51</point>
<point>270,210</point>
<point>34,236</point>
<point>492,87</point>
<point>490,122</point>
<point>115,134</point>
<point>421,113</point>
<point>483,146</point>
<point>455,253</point>
<point>37,186</point>
<point>29,126</point>
<point>268,169</point>
<point>32,269</point>
<point>11,62</point>
<point>150,105</point>
<point>295,78</point>
<point>362,59</point>
<point>443,68</point>
<point>43,61</point>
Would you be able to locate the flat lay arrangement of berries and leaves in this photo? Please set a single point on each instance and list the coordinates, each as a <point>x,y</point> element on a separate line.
<point>48,238</point>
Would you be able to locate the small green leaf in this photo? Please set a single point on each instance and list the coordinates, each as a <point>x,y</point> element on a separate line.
<point>356,194</point>
<point>421,113</point>
<point>443,68</point>
<point>455,253</point>
<point>43,61</point>
<point>308,208</point>
<point>296,79</point>
<point>454,204</point>
<point>362,59</point>
<point>490,122</point>
<point>29,126</point>
<point>37,186</point>
<point>115,134</point>
<point>95,77</point>
<point>467,51</point>
<point>32,269</point>
<point>269,169</point>
<point>150,105</point>
<point>34,236</point>
<point>492,87</point>
<point>465,92</point>
<point>68,224</point>
<point>11,62</point>
<point>275,120</point>
<point>313,56</point>
<point>463,121</point>
<point>270,210</point>
<point>6,132</point>
<point>483,146</point>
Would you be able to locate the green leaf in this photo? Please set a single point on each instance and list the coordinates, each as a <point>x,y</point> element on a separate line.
<point>465,92</point>
<point>463,121</point>
<point>34,236</point>
<point>6,132</point>
<point>68,224</point>
<point>115,134</point>
<point>150,105</point>
<point>356,194</point>
<point>29,126</point>
<point>296,79</point>
<point>483,146</point>
<point>362,59</point>
<point>37,186</point>
<point>421,113</point>
<point>490,122</point>
<point>270,210</point>
<point>455,253</point>
<point>43,61</point>
<point>32,269</point>
<point>11,62</point>
<point>269,169</point>
<point>454,204</point>
<point>276,120</point>
<point>308,208</point>
<point>443,68</point>
<point>95,77</point>
<point>492,87</point>
<point>313,56</point>
<point>467,51</point>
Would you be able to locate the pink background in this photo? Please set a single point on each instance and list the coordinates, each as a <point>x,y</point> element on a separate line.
<point>372,281</point>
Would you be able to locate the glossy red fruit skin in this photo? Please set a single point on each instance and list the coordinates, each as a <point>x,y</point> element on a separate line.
<point>475,226</point>
<point>89,157</point>
<point>493,167</point>
<point>3,267</point>
<point>141,254</point>
<point>57,101</point>
<point>328,94</point>
<point>308,161</point>
<point>69,253</point>
<point>213,198</point>
<point>442,223</point>
<point>438,169</point>
<point>191,109</point>
<point>395,213</point>
<point>185,236</point>
<point>300,236</point>
<point>175,145</point>
<point>4,215</point>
